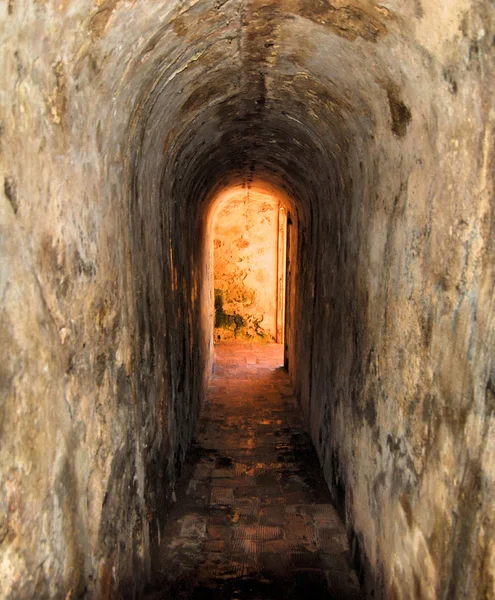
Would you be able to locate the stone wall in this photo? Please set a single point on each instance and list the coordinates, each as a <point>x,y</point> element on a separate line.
<point>400,392</point>
<point>99,391</point>
<point>119,122</point>
<point>245,258</point>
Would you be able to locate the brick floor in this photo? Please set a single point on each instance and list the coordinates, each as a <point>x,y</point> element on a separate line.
<point>255,520</point>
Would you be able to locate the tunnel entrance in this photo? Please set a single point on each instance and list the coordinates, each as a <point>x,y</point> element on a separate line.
<point>248,261</point>
<point>249,245</point>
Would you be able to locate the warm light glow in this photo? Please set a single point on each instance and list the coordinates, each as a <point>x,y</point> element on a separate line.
<point>246,231</point>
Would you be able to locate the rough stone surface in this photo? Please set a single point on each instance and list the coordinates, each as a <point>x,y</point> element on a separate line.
<point>119,122</point>
<point>245,253</point>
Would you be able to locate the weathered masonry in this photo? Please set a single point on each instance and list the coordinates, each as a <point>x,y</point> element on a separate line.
<point>120,122</point>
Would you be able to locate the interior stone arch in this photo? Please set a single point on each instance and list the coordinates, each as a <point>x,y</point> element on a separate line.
<point>120,119</point>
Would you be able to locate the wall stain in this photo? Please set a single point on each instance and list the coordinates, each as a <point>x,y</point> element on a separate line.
<point>10,190</point>
<point>99,20</point>
<point>400,113</point>
<point>57,100</point>
<point>349,21</point>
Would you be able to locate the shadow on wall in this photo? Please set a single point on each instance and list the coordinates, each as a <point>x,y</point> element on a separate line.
<point>234,325</point>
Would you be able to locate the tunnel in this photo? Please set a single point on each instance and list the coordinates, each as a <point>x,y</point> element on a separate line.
<point>120,123</point>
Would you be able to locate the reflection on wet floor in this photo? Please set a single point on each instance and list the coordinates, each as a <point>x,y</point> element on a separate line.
<point>254,519</point>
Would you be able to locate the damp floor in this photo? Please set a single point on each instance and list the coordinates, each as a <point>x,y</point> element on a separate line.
<point>254,518</point>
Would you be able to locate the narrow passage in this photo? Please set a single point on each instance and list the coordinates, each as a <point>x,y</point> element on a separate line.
<point>254,517</point>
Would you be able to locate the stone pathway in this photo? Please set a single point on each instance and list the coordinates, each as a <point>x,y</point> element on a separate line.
<point>254,519</point>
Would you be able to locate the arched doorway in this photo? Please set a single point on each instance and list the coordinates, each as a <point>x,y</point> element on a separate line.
<point>248,262</point>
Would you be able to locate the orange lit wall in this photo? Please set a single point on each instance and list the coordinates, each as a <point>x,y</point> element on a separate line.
<point>246,264</point>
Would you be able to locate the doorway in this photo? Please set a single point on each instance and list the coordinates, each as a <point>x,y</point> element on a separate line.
<point>249,266</point>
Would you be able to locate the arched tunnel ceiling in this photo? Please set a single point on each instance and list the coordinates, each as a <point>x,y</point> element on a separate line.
<point>279,89</point>
<point>120,119</point>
